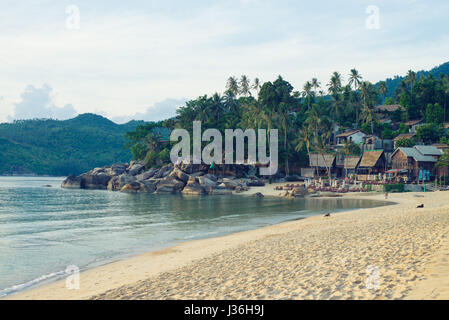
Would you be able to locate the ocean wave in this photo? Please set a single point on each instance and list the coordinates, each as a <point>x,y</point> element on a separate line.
<point>23,286</point>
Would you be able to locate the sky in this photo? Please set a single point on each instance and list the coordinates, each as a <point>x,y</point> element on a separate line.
<point>143,59</point>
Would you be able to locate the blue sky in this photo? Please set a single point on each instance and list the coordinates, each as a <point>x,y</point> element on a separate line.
<point>141,59</point>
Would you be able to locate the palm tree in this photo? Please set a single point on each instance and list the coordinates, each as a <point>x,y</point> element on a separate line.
<point>383,90</point>
<point>315,84</point>
<point>355,78</point>
<point>334,84</point>
<point>229,98</point>
<point>244,86</point>
<point>303,138</point>
<point>321,141</point>
<point>307,92</point>
<point>217,107</point>
<point>256,85</point>
<point>367,92</point>
<point>283,113</point>
<point>411,79</point>
<point>314,119</point>
<point>232,86</point>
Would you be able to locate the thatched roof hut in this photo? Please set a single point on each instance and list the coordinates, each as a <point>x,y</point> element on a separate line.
<point>351,162</point>
<point>321,160</point>
<point>373,159</point>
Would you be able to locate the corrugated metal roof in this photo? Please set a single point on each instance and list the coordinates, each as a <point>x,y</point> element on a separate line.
<point>429,150</point>
<point>416,155</point>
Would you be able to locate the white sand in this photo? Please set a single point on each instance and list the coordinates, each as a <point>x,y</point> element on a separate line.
<point>313,258</point>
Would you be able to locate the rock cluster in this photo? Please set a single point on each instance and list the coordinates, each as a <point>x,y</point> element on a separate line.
<point>188,179</point>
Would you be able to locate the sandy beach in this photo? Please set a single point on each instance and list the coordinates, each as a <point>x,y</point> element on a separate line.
<point>392,252</point>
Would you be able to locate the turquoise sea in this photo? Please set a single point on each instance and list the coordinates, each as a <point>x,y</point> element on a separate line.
<point>44,228</point>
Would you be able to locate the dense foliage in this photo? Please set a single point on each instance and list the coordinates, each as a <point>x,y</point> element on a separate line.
<point>52,147</point>
<point>307,120</point>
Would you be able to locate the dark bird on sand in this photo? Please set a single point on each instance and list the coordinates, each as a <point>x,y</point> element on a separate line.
<point>420,206</point>
<point>327,215</point>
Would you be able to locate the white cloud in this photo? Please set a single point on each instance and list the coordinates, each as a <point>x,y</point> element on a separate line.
<point>159,111</point>
<point>38,103</point>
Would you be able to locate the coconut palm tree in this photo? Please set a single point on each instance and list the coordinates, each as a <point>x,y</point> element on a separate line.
<point>383,90</point>
<point>367,92</point>
<point>244,86</point>
<point>307,92</point>
<point>233,86</point>
<point>411,79</point>
<point>355,78</point>
<point>303,138</point>
<point>334,84</point>
<point>315,84</point>
<point>256,85</point>
<point>217,107</point>
<point>283,114</point>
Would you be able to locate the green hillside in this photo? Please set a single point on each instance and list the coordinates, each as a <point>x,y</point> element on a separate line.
<point>393,83</point>
<point>52,147</point>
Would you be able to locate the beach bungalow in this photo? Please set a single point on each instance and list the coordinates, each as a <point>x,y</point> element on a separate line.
<point>413,125</point>
<point>431,151</point>
<point>321,163</point>
<point>351,164</point>
<point>414,162</point>
<point>403,136</point>
<point>372,163</point>
<point>355,136</point>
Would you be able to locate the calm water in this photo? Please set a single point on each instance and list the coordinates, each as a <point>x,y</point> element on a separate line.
<point>45,229</point>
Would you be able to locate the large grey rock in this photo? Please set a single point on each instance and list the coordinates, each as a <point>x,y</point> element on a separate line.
<point>131,187</point>
<point>164,171</point>
<point>116,169</point>
<point>177,173</point>
<point>211,177</point>
<point>191,168</point>
<point>230,184</point>
<point>193,189</point>
<point>147,174</point>
<point>136,168</point>
<point>95,181</point>
<point>117,183</point>
<point>134,187</point>
<point>72,182</point>
<point>205,182</point>
<point>170,184</point>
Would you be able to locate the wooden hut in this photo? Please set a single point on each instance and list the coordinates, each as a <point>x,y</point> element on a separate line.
<point>321,162</point>
<point>372,163</point>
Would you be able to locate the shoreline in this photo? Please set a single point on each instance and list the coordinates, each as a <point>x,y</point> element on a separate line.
<point>114,276</point>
